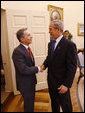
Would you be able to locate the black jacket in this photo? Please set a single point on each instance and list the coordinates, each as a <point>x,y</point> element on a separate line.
<point>62,67</point>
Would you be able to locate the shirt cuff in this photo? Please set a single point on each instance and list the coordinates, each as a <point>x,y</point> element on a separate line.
<point>39,69</point>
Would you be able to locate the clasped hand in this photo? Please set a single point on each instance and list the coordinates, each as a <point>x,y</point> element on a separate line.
<point>42,68</point>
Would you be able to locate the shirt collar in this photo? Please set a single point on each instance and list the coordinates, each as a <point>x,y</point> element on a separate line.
<point>25,46</point>
<point>58,39</point>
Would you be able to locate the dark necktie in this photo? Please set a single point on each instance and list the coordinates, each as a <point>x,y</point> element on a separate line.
<point>30,52</point>
<point>53,45</point>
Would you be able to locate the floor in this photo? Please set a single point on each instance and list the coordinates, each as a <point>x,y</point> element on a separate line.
<point>4,96</point>
<point>42,101</point>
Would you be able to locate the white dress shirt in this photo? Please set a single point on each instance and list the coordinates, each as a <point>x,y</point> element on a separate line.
<point>58,40</point>
<point>25,46</point>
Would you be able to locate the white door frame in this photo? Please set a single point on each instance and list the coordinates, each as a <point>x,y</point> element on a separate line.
<point>5,53</point>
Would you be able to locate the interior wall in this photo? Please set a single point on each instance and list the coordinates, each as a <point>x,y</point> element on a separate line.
<point>73,12</point>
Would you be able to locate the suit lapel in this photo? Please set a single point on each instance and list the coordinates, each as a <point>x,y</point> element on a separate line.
<point>32,59</point>
<point>59,46</point>
<point>27,54</point>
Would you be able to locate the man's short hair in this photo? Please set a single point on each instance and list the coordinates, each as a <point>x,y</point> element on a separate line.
<point>66,31</point>
<point>58,24</point>
<point>20,33</point>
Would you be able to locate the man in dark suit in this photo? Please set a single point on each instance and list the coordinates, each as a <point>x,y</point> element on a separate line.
<point>62,63</point>
<point>25,69</point>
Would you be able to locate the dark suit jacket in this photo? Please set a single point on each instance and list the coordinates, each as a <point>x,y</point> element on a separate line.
<point>24,67</point>
<point>62,67</point>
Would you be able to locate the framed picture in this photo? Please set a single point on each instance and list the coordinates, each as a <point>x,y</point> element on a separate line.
<point>80,29</point>
<point>55,12</point>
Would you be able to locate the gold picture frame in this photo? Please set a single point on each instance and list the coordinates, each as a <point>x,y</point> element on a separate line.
<point>80,29</point>
<point>57,12</point>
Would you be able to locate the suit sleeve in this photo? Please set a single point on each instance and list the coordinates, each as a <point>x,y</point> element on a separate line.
<point>71,65</point>
<point>45,63</point>
<point>21,66</point>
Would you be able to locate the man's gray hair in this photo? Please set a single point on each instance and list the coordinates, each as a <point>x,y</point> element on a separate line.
<point>20,33</point>
<point>58,24</point>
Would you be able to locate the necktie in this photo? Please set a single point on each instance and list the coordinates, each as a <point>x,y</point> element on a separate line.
<point>30,52</point>
<point>53,45</point>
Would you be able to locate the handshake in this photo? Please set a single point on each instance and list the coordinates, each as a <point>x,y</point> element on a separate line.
<point>41,68</point>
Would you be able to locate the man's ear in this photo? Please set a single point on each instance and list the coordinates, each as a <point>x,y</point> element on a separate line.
<point>59,29</point>
<point>21,39</point>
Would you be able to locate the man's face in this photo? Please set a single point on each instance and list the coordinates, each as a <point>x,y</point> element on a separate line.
<point>53,32</point>
<point>66,34</point>
<point>27,38</point>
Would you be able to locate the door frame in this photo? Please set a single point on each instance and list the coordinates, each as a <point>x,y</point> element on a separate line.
<point>5,53</point>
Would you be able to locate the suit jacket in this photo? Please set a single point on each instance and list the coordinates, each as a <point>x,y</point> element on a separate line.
<point>62,66</point>
<point>24,67</point>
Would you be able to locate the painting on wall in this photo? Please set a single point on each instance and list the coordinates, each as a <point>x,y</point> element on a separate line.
<point>55,12</point>
<point>80,29</point>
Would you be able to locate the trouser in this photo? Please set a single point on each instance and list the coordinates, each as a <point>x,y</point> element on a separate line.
<point>62,100</point>
<point>29,96</point>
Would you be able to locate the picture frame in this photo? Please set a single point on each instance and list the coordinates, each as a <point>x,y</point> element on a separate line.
<point>55,12</point>
<point>80,29</point>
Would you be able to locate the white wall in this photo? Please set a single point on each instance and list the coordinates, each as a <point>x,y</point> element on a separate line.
<point>73,13</point>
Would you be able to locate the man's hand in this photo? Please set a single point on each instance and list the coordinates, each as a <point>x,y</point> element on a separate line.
<point>42,68</point>
<point>63,89</point>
